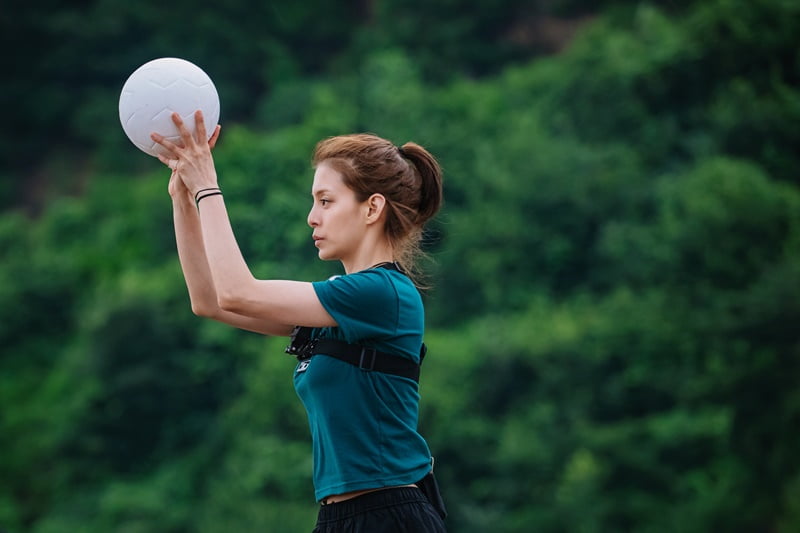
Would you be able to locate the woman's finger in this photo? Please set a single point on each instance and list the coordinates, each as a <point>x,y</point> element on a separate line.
<point>212,142</point>
<point>200,127</point>
<point>171,163</point>
<point>186,135</point>
<point>166,143</point>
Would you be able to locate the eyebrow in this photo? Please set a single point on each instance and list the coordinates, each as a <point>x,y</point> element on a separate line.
<point>320,192</point>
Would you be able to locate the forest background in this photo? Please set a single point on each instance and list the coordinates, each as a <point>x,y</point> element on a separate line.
<point>614,324</point>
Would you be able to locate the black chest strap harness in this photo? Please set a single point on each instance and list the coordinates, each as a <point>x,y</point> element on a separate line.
<point>304,347</point>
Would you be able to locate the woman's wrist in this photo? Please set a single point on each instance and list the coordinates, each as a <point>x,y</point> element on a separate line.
<point>211,184</point>
<point>205,193</point>
<point>183,200</point>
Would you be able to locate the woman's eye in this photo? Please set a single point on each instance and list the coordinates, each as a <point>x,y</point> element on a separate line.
<point>324,202</point>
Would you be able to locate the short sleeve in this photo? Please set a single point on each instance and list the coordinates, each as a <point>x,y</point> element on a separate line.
<point>365,304</point>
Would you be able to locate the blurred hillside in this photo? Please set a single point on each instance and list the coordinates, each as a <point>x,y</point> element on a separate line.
<point>71,59</point>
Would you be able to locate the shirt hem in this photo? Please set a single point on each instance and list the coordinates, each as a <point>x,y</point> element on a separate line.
<point>321,494</point>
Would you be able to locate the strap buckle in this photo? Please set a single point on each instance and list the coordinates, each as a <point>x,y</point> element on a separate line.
<point>302,345</point>
<point>369,358</point>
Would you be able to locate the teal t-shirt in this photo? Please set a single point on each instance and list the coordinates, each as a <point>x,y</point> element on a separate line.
<point>364,424</point>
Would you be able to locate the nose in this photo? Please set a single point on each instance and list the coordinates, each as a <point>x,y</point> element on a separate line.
<point>312,218</point>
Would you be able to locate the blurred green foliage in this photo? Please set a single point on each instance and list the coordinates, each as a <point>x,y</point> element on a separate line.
<point>613,328</point>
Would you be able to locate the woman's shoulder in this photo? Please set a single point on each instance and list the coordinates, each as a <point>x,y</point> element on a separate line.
<point>374,276</point>
<point>373,287</point>
<point>392,279</point>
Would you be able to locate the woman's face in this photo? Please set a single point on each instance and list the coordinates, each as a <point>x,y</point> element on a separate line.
<point>337,217</point>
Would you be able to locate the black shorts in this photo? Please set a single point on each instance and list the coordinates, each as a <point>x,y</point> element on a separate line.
<point>396,510</point>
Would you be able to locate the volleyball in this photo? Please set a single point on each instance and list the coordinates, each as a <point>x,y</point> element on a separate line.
<point>157,89</point>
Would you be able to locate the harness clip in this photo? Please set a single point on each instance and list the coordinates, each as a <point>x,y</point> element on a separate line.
<point>302,345</point>
<point>371,361</point>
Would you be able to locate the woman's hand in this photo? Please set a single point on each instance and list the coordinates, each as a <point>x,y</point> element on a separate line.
<point>191,162</point>
<point>177,189</point>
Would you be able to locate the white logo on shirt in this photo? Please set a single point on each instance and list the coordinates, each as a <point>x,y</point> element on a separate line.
<point>302,367</point>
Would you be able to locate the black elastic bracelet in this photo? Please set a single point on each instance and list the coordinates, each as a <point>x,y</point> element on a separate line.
<point>203,190</point>
<point>197,202</point>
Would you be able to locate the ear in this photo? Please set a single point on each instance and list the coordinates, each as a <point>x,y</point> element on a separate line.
<point>375,207</point>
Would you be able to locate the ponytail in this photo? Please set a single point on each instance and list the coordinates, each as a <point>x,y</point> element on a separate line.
<point>430,174</point>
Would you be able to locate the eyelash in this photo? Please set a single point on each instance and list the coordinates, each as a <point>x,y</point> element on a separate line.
<point>324,201</point>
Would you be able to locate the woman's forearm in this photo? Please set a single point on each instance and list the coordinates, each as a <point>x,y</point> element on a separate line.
<point>227,267</point>
<point>199,279</point>
<point>271,307</point>
<point>192,256</point>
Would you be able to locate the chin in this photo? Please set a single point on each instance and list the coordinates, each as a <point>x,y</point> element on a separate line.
<point>326,256</point>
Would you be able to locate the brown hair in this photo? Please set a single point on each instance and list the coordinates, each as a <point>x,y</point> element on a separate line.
<point>407,176</point>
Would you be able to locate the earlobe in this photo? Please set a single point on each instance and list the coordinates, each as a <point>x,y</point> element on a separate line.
<point>376,204</point>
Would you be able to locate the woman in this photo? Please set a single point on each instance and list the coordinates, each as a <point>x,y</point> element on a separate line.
<point>364,329</point>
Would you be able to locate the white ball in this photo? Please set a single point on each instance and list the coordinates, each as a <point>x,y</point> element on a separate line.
<point>157,89</point>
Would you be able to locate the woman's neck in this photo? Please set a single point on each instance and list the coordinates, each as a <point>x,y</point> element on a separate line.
<point>368,259</point>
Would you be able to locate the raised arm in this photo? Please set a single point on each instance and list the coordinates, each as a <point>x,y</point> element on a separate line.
<point>212,261</point>
<point>191,253</point>
<point>194,264</point>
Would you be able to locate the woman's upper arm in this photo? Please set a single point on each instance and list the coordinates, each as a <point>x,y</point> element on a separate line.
<point>281,303</point>
<point>249,323</point>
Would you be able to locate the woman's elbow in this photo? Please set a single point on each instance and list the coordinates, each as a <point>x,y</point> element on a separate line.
<point>230,302</point>
<point>204,311</point>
